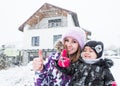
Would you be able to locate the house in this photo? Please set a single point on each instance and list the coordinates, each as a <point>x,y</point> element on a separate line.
<point>47,25</point>
<point>44,28</point>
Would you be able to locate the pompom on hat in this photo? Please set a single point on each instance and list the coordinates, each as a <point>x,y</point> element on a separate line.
<point>97,46</point>
<point>76,33</point>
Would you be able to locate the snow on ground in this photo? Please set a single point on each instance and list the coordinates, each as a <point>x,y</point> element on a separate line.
<point>18,76</point>
<point>23,76</point>
<point>116,70</point>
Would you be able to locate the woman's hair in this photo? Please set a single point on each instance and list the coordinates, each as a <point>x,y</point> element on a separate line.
<point>59,46</point>
<point>75,56</point>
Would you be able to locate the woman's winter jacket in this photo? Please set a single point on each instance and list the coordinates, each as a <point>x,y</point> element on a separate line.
<point>50,75</point>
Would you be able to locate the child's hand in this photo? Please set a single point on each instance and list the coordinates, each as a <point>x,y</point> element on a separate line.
<point>64,61</point>
<point>38,62</point>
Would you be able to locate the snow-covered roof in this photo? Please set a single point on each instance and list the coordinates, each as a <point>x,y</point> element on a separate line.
<point>46,11</point>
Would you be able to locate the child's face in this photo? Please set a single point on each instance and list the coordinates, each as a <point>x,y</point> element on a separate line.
<point>88,53</point>
<point>71,44</point>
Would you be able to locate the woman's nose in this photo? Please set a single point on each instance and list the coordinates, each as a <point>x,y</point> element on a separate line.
<point>69,44</point>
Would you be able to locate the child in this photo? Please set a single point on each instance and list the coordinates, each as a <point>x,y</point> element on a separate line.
<point>91,69</point>
<point>46,74</point>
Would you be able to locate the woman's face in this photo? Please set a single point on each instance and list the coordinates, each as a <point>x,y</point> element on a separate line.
<point>88,53</point>
<point>71,44</point>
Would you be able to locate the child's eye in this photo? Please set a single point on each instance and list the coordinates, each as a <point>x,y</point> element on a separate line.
<point>91,51</point>
<point>84,50</point>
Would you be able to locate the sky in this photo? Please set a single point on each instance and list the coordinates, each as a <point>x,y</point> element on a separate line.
<point>101,17</point>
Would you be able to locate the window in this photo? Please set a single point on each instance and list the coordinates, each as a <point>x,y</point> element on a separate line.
<point>56,37</point>
<point>35,41</point>
<point>54,23</point>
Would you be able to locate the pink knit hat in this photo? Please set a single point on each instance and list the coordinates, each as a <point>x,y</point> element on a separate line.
<point>76,33</point>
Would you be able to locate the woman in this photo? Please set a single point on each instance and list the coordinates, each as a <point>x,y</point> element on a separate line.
<point>46,73</point>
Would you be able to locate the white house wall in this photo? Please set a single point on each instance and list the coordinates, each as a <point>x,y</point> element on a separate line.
<point>46,37</point>
<point>70,21</point>
<point>46,34</point>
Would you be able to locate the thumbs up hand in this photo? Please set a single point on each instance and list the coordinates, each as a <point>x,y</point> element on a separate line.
<point>38,62</point>
<point>64,61</point>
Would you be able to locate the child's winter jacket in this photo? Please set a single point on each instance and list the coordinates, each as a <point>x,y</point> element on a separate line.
<point>84,74</point>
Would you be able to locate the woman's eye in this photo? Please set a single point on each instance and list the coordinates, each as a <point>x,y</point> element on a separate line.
<point>66,40</point>
<point>74,41</point>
